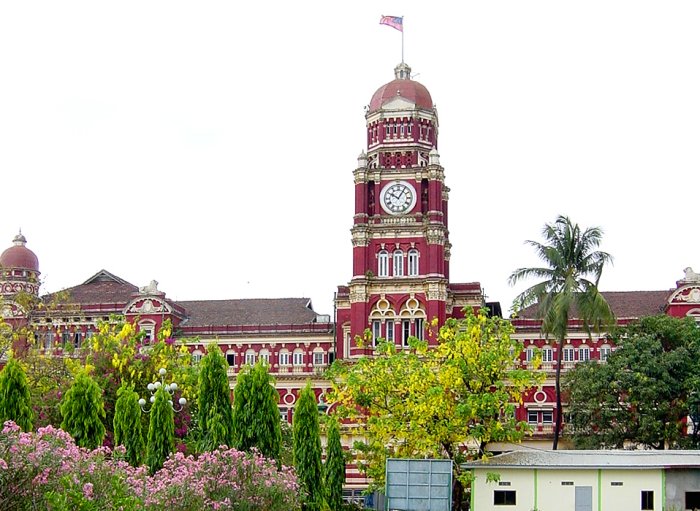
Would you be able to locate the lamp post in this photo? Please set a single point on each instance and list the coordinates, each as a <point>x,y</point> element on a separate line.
<point>170,388</point>
<point>161,429</point>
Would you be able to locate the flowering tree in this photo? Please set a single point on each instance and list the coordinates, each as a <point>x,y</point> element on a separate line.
<point>443,401</point>
<point>83,412</point>
<point>15,399</point>
<point>46,470</point>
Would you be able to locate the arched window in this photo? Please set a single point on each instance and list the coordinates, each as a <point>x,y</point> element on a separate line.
<point>383,264</point>
<point>398,263</point>
<point>413,262</point>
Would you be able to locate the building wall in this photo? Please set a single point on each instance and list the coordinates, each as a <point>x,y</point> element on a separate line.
<point>554,489</point>
<point>678,482</point>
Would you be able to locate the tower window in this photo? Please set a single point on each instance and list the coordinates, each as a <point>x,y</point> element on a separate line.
<point>398,263</point>
<point>413,262</point>
<point>383,264</point>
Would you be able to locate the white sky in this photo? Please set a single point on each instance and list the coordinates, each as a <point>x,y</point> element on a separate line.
<point>210,145</point>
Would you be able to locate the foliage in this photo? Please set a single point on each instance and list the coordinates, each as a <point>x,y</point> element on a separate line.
<point>568,285</point>
<point>15,399</point>
<point>307,449</point>
<point>435,400</point>
<point>119,355</point>
<point>221,479</point>
<point>48,376</point>
<point>334,468</point>
<point>83,412</point>
<point>161,431</point>
<point>46,470</point>
<point>644,392</point>
<point>256,417</point>
<point>215,411</point>
<point>127,424</point>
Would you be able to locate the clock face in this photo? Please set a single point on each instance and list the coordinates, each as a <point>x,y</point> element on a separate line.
<point>398,197</point>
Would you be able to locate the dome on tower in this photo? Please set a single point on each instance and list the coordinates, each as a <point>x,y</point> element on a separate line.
<point>403,87</point>
<point>19,256</point>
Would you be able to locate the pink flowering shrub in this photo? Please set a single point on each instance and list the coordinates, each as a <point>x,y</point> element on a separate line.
<point>46,470</point>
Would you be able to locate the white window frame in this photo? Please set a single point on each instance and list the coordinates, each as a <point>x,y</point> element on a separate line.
<point>413,257</point>
<point>298,358</point>
<point>285,359</point>
<point>533,414</point>
<point>376,331</point>
<point>250,357</point>
<point>383,263</point>
<point>397,259</point>
<point>547,354</point>
<point>530,353</point>
<point>264,356</point>
<point>196,357</point>
<point>420,328</point>
<point>569,354</point>
<point>547,416</point>
<point>584,353</point>
<point>231,354</point>
<point>390,330</point>
<point>318,358</point>
<point>405,331</point>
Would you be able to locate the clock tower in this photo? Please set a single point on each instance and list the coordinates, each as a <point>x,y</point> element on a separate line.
<point>401,249</point>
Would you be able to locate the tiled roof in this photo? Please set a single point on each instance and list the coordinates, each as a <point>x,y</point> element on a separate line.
<point>625,304</point>
<point>254,311</point>
<point>622,459</point>
<point>101,288</point>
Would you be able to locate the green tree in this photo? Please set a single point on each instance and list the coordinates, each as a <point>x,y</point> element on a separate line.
<point>568,286</point>
<point>644,392</point>
<point>15,398</point>
<point>445,400</point>
<point>161,431</point>
<point>128,429</point>
<point>215,412</point>
<point>307,449</point>
<point>83,411</point>
<point>334,469</point>
<point>256,417</point>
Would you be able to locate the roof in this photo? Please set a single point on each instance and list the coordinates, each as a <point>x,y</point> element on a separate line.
<point>408,89</point>
<point>254,311</point>
<point>618,459</point>
<point>101,288</point>
<point>625,304</point>
<point>19,256</point>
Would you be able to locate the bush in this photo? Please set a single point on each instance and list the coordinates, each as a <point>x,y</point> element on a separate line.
<point>46,470</point>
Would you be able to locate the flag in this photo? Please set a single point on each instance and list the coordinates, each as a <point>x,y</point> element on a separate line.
<point>393,21</point>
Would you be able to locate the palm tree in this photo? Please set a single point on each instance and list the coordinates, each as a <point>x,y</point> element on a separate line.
<point>569,285</point>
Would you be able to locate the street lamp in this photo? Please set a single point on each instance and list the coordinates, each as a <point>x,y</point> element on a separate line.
<point>170,388</point>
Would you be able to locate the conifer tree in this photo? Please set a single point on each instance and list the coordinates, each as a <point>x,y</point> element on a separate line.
<point>215,412</point>
<point>83,411</point>
<point>15,398</point>
<point>307,449</point>
<point>161,431</point>
<point>127,424</point>
<point>334,469</point>
<point>256,415</point>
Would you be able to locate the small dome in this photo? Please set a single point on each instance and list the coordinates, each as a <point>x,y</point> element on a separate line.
<point>19,256</point>
<point>404,87</point>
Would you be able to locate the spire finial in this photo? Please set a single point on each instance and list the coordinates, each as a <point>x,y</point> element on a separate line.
<point>19,240</point>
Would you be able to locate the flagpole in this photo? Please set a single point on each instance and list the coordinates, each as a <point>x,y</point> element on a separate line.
<point>402,29</point>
